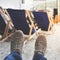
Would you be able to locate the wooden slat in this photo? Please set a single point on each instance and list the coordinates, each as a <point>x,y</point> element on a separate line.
<point>4,11</point>
<point>32,22</point>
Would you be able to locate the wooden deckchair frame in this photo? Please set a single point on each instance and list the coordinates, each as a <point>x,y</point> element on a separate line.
<point>51,23</point>
<point>10,19</point>
<point>7,25</point>
<point>32,26</point>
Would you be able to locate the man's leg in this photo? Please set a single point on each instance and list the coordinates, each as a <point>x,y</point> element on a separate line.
<point>15,55</point>
<point>40,48</point>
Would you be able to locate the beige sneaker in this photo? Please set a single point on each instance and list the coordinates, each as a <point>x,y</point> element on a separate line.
<point>17,40</point>
<point>40,44</point>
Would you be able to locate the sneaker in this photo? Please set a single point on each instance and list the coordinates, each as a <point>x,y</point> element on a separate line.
<point>17,40</point>
<point>40,44</point>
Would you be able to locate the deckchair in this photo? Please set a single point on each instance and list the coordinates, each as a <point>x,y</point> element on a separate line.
<point>19,20</point>
<point>43,21</point>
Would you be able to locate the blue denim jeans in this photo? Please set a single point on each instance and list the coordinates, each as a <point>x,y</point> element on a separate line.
<point>13,56</point>
<point>38,57</point>
<point>17,56</point>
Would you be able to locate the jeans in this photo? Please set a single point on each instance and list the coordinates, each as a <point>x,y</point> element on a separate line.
<point>17,56</point>
<point>38,57</point>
